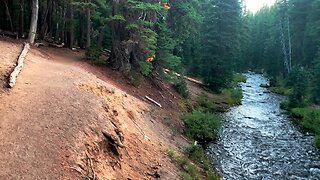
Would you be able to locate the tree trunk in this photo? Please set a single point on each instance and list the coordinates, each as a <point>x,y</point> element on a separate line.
<point>44,23</point>
<point>88,32</point>
<point>70,25</point>
<point>8,16</point>
<point>101,36</point>
<point>63,28</point>
<point>34,21</point>
<point>21,23</point>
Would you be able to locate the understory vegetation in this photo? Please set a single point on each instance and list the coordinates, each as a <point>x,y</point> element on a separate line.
<point>193,158</point>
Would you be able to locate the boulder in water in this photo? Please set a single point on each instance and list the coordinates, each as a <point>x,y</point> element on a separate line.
<point>265,85</point>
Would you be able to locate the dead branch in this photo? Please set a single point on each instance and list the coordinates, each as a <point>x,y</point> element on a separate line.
<point>185,77</point>
<point>155,102</point>
<point>56,45</point>
<point>18,68</point>
<point>38,44</point>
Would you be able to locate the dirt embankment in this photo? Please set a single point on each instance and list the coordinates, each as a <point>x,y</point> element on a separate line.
<point>9,53</point>
<point>51,122</point>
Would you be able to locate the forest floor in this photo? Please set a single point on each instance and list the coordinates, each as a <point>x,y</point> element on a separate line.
<point>51,122</point>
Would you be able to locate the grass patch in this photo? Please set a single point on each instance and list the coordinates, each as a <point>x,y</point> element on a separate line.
<point>205,104</point>
<point>193,168</point>
<point>180,86</point>
<point>310,119</point>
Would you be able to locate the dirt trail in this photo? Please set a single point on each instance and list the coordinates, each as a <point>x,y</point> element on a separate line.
<point>51,124</point>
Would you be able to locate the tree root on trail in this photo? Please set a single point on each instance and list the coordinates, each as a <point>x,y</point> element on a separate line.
<point>18,68</point>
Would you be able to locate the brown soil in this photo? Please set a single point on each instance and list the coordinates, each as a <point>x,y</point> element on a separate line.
<point>51,122</point>
<point>9,54</point>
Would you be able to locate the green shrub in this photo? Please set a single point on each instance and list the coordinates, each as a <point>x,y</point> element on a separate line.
<point>237,78</point>
<point>235,96</point>
<point>186,105</point>
<point>205,104</point>
<point>136,78</point>
<point>93,54</point>
<point>195,153</point>
<point>317,141</point>
<point>181,87</point>
<point>212,176</point>
<point>186,176</point>
<point>145,68</point>
<point>285,105</point>
<point>201,126</point>
<point>192,171</point>
<point>171,153</point>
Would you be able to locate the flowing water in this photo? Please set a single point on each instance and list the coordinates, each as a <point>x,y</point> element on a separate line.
<point>259,141</point>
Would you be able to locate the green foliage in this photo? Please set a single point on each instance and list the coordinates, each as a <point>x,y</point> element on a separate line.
<point>220,47</point>
<point>205,104</point>
<point>186,105</point>
<point>317,141</point>
<point>310,117</point>
<point>181,87</point>
<point>298,80</point>
<point>186,176</point>
<point>191,170</point>
<point>200,126</point>
<point>315,81</point>
<point>235,96</point>
<point>117,17</point>
<point>237,78</point>
<point>144,6</point>
<point>136,78</point>
<point>93,54</point>
<point>145,68</point>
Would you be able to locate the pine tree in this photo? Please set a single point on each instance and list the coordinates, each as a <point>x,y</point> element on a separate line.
<point>219,51</point>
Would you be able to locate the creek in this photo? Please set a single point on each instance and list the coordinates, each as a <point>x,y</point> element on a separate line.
<point>258,140</point>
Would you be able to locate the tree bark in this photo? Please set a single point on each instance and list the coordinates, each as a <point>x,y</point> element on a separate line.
<point>44,26</point>
<point>101,36</point>
<point>88,28</point>
<point>8,16</point>
<point>70,25</point>
<point>34,21</point>
<point>21,23</point>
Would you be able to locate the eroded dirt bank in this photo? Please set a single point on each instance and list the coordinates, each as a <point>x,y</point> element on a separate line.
<point>51,123</point>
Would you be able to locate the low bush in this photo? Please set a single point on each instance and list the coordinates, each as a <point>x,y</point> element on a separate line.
<point>195,153</point>
<point>237,78</point>
<point>181,87</point>
<point>200,126</point>
<point>310,119</point>
<point>136,78</point>
<point>205,104</point>
<point>93,54</point>
<point>235,96</point>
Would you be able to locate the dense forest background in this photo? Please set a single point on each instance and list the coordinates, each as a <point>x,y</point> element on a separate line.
<point>209,39</point>
<point>143,36</point>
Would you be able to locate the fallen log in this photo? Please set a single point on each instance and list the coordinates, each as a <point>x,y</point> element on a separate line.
<point>56,45</point>
<point>18,68</point>
<point>186,77</point>
<point>155,102</point>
